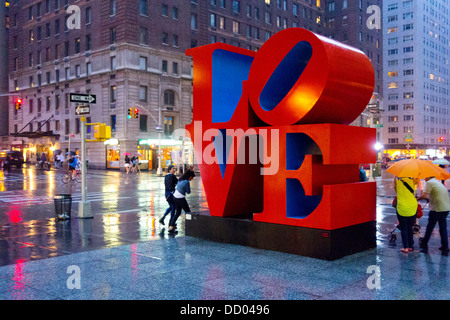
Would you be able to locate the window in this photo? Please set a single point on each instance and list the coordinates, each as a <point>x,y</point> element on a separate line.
<point>57,26</point>
<point>169,98</point>
<point>112,35</point>
<point>143,7</point>
<point>113,93</point>
<point>112,7</point>
<point>77,126</point>
<point>143,93</point>
<point>393,129</point>
<point>143,122</point>
<point>392,30</point>
<point>143,63</point>
<point>165,10</point>
<point>143,38</point>
<point>175,68</point>
<point>77,70</point>
<point>236,6</point>
<point>165,38</point>
<point>175,13</point>
<point>168,126</point>
<point>67,126</point>
<point>88,42</point>
<point>164,66</point>
<point>77,45</point>
<point>392,118</point>
<point>408,117</point>
<point>392,52</point>
<point>193,21</point>
<point>392,107</point>
<point>113,63</point>
<point>57,101</point>
<point>236,27</point>
<point>88,15</point>
<point>113,122</point>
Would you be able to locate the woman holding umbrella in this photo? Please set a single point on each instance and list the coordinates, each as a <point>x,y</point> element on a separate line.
<point>406,210</point>
<point>404,185</point>
<point>127,161</point>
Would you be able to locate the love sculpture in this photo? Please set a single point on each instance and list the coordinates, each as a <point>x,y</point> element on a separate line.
<point>291,104</point>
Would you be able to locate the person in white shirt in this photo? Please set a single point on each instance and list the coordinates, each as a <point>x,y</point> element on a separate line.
<point>437,194</point>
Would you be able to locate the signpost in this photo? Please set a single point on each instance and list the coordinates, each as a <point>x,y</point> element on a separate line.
<point>84,208</point>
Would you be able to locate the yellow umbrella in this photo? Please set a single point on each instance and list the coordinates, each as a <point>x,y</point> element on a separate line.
<point>415,168</point>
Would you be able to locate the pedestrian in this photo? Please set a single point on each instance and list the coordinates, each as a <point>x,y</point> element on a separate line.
<point>127,163</point>
<point>56,160</point>
<point>406,210</point>
<point>362,174</point>
<point>74,165</point>
<point>179,197</point>
<point>170,182</point>
<point>61,160</point>
<point>436,193</point>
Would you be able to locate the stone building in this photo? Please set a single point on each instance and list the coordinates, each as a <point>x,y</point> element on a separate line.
<point>129,54</point>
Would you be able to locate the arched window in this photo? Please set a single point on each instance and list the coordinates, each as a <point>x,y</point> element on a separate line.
<point>169,98</point>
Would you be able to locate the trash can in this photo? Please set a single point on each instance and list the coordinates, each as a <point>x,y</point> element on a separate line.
<point>63,206</point>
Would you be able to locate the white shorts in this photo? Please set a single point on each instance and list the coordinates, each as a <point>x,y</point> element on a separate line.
<point>127,165</point>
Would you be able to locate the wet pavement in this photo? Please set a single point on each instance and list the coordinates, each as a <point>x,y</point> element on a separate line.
<point>125,253</point>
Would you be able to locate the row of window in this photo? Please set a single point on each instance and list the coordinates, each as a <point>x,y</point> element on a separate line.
<point>406,117</point>
<point>409,129</point>
<point>143,64</point>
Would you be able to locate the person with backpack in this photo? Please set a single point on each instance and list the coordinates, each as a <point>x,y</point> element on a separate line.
<point>179,197</point>
<point>73,165</point>
<point>170,182</point>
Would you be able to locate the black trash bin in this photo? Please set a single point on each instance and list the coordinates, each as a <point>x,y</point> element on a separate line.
<point>63,206</point>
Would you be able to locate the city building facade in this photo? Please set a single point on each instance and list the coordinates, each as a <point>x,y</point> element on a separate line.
<point>130,54</point>
<point>416,78</point>
<point>4,26</point>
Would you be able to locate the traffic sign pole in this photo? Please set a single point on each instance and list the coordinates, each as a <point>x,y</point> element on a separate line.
<point>84,207</point>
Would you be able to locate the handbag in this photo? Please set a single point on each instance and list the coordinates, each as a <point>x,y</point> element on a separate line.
<point>394,202</point>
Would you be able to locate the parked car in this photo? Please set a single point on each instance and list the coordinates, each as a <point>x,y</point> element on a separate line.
<point>10,158</point>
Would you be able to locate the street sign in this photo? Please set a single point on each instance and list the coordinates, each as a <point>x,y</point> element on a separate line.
<point>82,97</point>
<point>81,110</point>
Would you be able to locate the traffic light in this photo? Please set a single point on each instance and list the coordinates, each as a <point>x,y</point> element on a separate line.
<point>19,102</point>
<point>136,113</point>
<point>130,112</point>
<point>441,139</point>
<point>102,132</point>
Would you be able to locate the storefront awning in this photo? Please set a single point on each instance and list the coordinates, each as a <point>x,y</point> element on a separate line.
<point>36,135</point>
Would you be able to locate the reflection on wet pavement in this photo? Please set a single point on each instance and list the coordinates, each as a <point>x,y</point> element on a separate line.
<point>125,253</point>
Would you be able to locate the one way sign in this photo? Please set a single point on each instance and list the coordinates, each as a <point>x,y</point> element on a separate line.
<point>81,110</point>
<point>82,97</point>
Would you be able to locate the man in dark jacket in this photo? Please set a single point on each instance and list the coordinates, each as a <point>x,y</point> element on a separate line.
<point>170,182</point>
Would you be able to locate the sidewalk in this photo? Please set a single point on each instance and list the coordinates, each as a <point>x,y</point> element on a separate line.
<point>111,266</point>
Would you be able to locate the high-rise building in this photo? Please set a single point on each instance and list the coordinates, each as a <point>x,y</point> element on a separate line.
<point>131,54</point>
<point>416,77</point>
<point>4,24</point>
